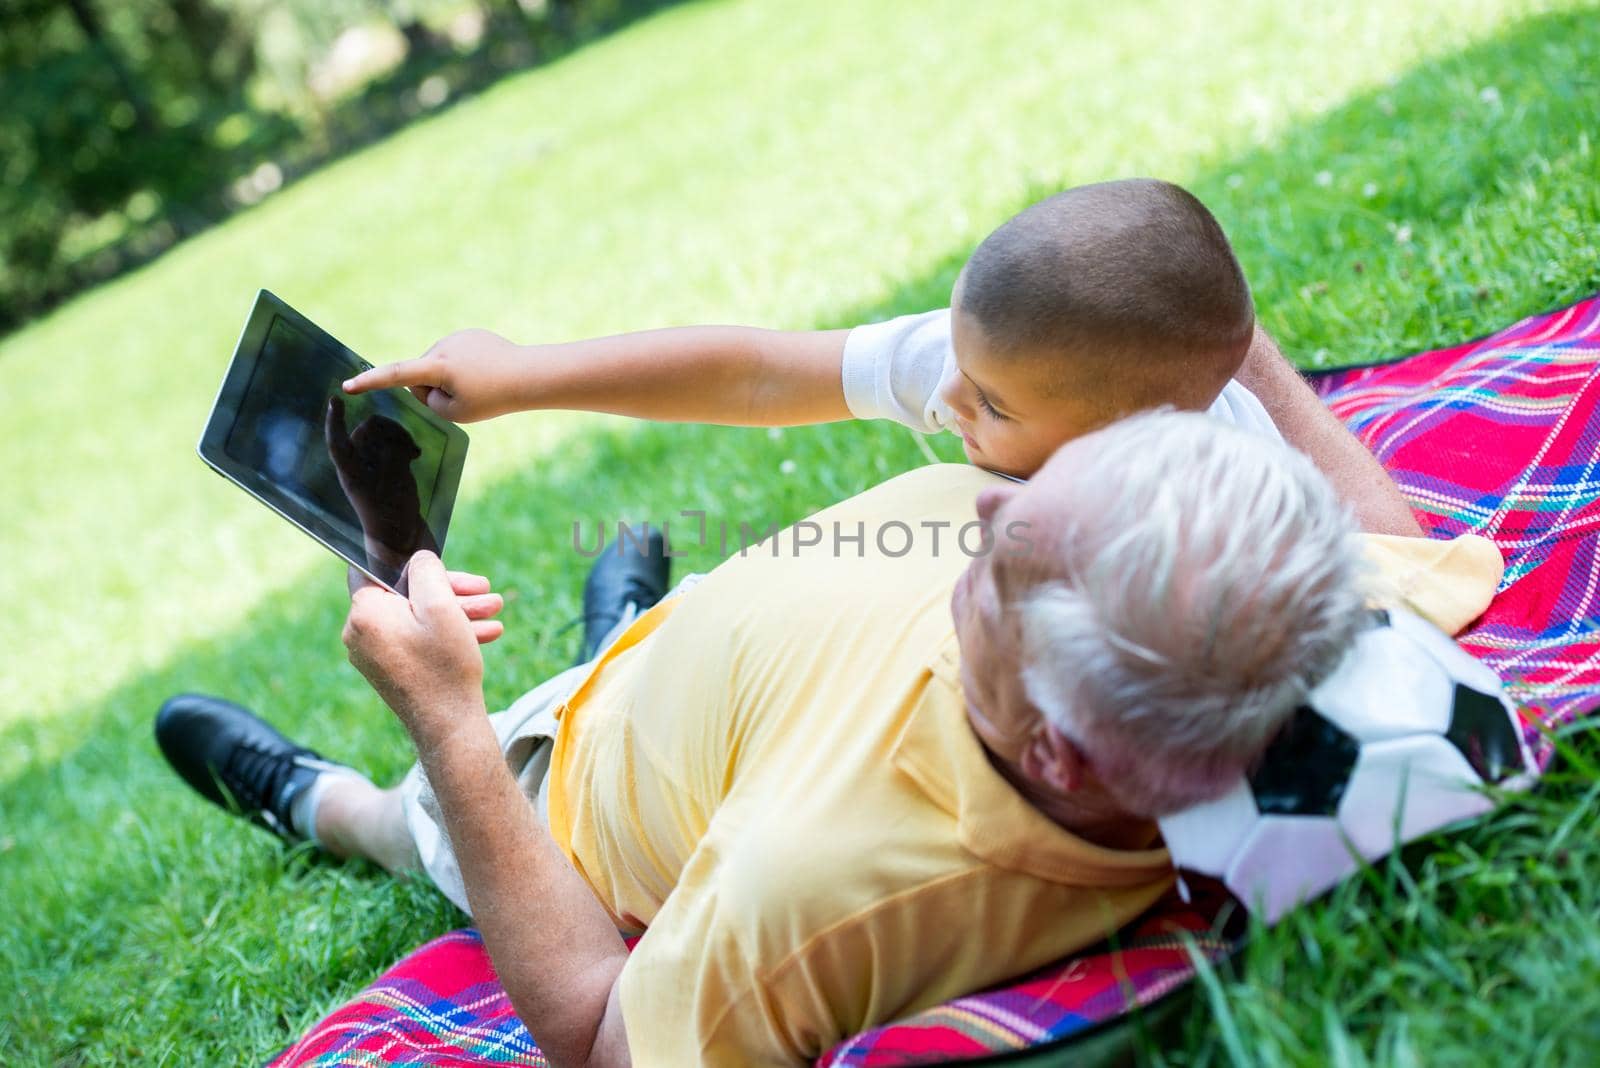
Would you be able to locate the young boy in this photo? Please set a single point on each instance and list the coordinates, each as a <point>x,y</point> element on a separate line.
<point>1095,303</point>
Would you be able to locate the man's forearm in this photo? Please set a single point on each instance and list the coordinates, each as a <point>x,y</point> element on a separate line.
<point>1306,423</point>
<point>733,375</point>
<point>552,944</point>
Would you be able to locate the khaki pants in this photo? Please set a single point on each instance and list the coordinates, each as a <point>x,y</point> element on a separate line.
<point>527,733</point>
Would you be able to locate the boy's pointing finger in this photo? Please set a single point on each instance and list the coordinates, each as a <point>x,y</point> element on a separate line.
<point>422,371</point>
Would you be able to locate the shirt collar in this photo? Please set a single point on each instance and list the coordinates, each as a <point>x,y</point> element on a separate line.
<point>938,751</point>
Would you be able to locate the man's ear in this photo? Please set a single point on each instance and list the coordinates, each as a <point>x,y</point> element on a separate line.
<point>1050,759</point>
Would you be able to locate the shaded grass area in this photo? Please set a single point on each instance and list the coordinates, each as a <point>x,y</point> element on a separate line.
<point>149,929</point>
<point>132,887</point>
<point>1470,948</point>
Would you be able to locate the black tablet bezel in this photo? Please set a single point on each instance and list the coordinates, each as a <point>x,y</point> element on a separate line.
<point>326,529</point>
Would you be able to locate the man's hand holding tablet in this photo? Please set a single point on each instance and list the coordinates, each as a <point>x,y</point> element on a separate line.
<point>478,602</point>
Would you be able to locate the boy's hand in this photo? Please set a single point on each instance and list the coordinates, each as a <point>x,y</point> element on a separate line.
<point>468,376</point>
<point>420,653</point>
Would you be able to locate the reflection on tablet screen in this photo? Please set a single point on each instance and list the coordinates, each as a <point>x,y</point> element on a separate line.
<point>365,465</point>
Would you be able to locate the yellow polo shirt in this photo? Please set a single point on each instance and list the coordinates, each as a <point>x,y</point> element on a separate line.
<point>775,775</point>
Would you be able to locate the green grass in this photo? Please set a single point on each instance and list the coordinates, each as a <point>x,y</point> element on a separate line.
<point>792,164</point>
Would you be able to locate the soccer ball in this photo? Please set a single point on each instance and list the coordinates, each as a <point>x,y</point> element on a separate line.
<point>1399,741</point>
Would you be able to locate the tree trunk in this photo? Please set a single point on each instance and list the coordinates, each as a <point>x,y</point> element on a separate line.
<point>89,22</point>
<point>209,34</point>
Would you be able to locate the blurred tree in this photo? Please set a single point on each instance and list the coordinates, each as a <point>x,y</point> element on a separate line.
<point>129,124</point>
<point>107,135</point>
<point>88,21</point>
<point>221,45</point>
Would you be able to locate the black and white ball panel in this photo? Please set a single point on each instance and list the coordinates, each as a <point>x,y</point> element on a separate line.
<point>1387,687</point>
<point>1397,742</point>
<point>1403,788</point>
<point>1286,860</point>
<point>1489,741</point>
<point>1305,770</point>
<point>1457,662</point>
<point>1206,838</point>
<point>1483,723</point>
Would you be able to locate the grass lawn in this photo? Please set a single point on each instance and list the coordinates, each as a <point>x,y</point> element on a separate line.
<point>1393,179</point>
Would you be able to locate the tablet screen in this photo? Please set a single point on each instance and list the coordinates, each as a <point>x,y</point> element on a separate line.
<point>370,476</point>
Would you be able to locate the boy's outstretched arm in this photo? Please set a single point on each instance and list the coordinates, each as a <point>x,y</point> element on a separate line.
<point>1306,423</point>
<point>739,376</point>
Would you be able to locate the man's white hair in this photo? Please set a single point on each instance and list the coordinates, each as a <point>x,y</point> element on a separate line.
<point>1208,580</point>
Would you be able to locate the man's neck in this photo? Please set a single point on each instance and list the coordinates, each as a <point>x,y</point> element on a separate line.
<point>1088,813</point>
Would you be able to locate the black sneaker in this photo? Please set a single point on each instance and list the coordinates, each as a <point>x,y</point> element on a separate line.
<point>236,759</point>
<point>626,579</point>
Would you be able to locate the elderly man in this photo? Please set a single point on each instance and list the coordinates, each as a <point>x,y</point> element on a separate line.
<point>843,778</point>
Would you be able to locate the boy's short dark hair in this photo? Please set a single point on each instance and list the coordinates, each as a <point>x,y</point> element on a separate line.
<point>1135,271</point>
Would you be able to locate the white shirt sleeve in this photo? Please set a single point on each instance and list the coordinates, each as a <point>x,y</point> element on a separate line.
<point>1238,406</point>
<point>892,370</point>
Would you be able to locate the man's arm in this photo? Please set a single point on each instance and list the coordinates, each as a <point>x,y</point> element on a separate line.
<point>1306,423</point>
<point>735,375</point>
<point>554,947</point>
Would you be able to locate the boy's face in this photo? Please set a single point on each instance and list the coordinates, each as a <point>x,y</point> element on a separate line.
<point>1008,418</point>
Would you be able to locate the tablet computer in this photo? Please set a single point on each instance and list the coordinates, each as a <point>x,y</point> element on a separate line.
<point>372,477</point>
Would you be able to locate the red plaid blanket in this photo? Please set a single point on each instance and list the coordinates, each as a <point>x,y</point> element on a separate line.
<point>1499,437</point>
